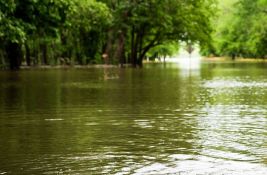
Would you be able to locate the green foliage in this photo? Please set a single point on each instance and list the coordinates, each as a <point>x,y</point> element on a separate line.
<point>142,25</point>
<point>164,50</point>
<point>10,28</point>
<point>241,29</point>
<point>89,22</point>
<point>80,31</point>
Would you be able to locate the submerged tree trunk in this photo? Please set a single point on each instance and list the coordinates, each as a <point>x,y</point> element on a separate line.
<point>233,56</point>
<point>14,55</point>
<point>121,48</point>
<point>107,55</point>
<point>139,48</point>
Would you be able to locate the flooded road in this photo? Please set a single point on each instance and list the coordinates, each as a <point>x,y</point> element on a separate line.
<point>162,119</point>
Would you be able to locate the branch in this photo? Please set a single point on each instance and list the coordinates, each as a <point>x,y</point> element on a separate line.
<point>151,44</point>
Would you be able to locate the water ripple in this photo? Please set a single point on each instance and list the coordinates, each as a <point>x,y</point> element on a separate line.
<point>220,84</point>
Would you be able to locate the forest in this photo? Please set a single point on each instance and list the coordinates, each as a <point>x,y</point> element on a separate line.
<point>82,32</point>
<point>240,29</point>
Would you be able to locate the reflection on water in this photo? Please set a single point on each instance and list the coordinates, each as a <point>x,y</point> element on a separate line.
<point>220,83</point>
<point>155,120</point>
<point>183,164</point>
<point>191,63</point>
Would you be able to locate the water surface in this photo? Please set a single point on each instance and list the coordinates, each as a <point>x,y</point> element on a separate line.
<point>161,119</point>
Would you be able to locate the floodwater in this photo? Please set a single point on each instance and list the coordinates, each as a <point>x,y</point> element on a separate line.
<point>162,119</point>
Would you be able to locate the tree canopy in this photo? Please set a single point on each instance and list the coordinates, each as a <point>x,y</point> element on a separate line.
<point>50,32</point>
<point>241,29</point>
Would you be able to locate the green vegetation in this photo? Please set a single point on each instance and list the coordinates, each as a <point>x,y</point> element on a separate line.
<point>70,32</point>
<point>163,50</point>
<point>52,32</point>
<point>241,29</point>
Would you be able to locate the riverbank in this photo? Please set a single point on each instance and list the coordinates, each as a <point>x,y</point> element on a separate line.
<point>203,59</point>
<point>227,59</point>
<point>69,66</point>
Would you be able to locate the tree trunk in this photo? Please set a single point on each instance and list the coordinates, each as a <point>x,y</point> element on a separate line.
<point>133,48</point>
<point>14,54</point>
<point>107,55</point>
<point>140,62</point>
<point>146,48</point>
<point>63,37</point>
<point>35,51</point>
<point>44,53</point>
<point>28,55</point>
<point>36,56</point>
<point>140,47</point>
<point>121,48</point>
<point>233,56</point>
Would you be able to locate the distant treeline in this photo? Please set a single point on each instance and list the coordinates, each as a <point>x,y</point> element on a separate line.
<point>52,32</point>
<point>240,29</point>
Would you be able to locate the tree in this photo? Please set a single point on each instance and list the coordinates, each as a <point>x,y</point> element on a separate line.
<point>241,29</point>
<point>164,50</point>
<point>24,20</point>
<point>11,32</point>
<point>87,33</point>
<point>43,30</point>
<point>80,31</point>
<point>142,25</point>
